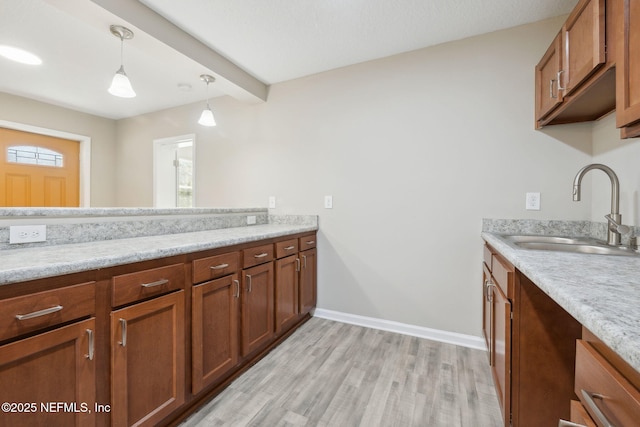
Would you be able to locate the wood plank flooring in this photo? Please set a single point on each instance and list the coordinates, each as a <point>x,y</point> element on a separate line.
<point>331,374</point>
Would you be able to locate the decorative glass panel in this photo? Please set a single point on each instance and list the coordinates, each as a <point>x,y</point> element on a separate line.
<point>32,155</point>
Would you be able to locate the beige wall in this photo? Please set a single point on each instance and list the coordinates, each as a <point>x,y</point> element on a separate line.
<point>623,156</point>
<point>416,149</point>
<point>101,131</point>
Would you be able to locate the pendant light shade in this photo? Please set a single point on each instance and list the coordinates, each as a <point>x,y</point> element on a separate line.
<point>206,118</point>
<point>121,85</point>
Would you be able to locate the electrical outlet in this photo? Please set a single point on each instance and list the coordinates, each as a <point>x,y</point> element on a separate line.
<point>27,233</point>
<point>328,202</point>
<point>251,219</point>
<point>272,202</point>
<point>533,202</point>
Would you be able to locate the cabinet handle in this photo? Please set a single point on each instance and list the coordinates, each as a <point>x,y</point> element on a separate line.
<point>559,80</point>
<point>262,255</point>
<point>551,95</point>
<point>288,248</point>
<point>249,280</point>
<point>310,242</point>
<point>491,321</point>
<point>156,283</point>
<point>39,313</point>
<point>219,267</point>
<point>304,258</point>
<point>237,293</point>
<point>297,264</point>
<point>91,344</point>
<point>123,326</point>
<point>565,423</point>
<point>589,400</point>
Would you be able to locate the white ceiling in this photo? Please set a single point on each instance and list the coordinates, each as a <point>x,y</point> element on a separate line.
<point>273,40</point>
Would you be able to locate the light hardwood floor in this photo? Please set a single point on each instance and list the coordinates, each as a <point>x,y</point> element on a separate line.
<point>338,375</point>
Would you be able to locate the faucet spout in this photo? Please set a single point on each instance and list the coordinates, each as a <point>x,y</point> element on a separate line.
<point>614,218</point>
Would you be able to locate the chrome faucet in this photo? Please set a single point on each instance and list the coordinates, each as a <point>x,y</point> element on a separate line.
<point>614,218</point>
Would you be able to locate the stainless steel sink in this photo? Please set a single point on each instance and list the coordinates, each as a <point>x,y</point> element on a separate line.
<point>584,245</point>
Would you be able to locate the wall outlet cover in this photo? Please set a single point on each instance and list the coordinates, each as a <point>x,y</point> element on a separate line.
<point>27,234</point>
<point>532,202</point>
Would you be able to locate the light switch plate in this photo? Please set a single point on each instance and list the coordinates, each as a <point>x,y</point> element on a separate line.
<point>272,202</point>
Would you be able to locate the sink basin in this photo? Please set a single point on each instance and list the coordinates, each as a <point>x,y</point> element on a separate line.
<point>526,238</point>
<point>584,245</point>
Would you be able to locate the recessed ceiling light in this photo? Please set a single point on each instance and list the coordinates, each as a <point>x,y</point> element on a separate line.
<point>19,55</point>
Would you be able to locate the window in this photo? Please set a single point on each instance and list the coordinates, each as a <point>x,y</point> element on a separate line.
<point>32,155</point>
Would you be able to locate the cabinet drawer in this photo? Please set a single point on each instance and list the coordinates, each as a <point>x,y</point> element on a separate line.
<point>215,266</point>
<point>487,257</point>
<point>136,286</point>
<point>286,248</point>
<point>257,255</point>
<point>596,377</point>
<point>21,315</point>
<point>580,416</point>
<point>502,275</point>
<point>307,242</point>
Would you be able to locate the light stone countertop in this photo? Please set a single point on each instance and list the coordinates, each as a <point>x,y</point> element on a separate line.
<point>601,292</point>
<point>18,265</point>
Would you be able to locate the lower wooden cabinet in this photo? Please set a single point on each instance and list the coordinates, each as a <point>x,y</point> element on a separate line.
<point>214,330</point>
<point>286,292</point>
<point>308,277</point>
<point>257,307</point>
<point>50,379</point>
<point>531,357</point>
<point>147,360</point>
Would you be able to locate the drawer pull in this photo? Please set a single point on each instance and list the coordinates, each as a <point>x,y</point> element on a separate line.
<point>262,255</point>
<point>91,344</point>
<point>219,267</point>
<point>288,248</point>
<point>156,283</point>
<point>39,313</point>
<point>123,326</point>
<point>310,242</point>
<point>565,423</point>
<point>589,400</point>
<point>237,293</point>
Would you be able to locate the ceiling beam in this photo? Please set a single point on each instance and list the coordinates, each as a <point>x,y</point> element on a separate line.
<point>247,87</point>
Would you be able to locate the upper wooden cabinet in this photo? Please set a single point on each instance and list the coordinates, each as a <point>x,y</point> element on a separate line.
<point>583,40</point>
<point>575,81</point>
<point>628,67</point>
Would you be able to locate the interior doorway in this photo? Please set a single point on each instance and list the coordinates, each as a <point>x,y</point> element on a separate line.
<point>173,172</point>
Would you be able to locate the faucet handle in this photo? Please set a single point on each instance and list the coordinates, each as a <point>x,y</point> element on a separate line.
<point>617,226</point>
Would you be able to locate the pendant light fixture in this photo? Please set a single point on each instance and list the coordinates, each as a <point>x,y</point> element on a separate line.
<point>206,118</point>
<point>120,85</point>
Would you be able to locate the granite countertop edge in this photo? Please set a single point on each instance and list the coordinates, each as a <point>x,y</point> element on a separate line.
<point>19,265</point>
<point>600,292</point>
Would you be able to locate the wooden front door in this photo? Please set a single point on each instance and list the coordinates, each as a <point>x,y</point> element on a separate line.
<point>38,170</point>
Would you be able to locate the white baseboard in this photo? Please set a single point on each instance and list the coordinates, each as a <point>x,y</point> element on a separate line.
<point>463,340</point>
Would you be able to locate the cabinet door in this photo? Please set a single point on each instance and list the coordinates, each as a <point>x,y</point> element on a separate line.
<point>147,360</point>
<point>548,96</point>
<point>214,342</point>
<point>584,43</point>
<point>287,270</point>
<point>501,337</point>
<point>55,366</point>
<point>628,65</point>
<point>308,280</point>
<point>257,307</point>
